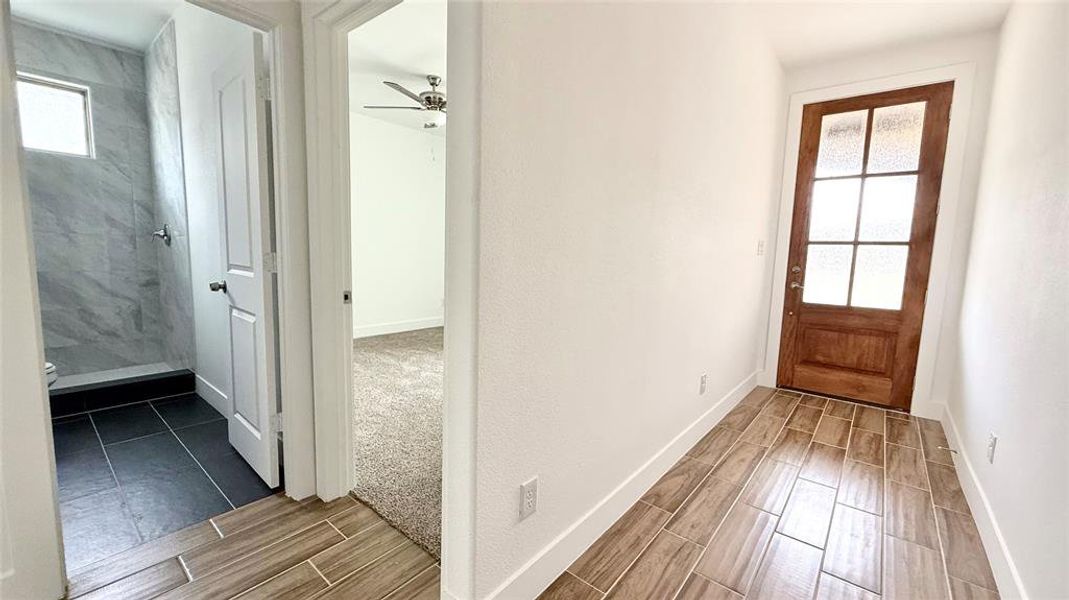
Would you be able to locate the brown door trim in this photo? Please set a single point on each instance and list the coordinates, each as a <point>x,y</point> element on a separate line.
<point>900,329</point>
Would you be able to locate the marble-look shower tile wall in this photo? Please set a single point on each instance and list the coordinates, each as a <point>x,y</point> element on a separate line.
<point>97,263</point>
<point>176,296</point>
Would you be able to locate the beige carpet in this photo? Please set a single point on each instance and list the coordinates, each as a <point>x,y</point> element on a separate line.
<point>397,421</point>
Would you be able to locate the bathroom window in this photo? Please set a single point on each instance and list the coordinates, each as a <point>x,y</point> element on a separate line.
<point>54,116</point>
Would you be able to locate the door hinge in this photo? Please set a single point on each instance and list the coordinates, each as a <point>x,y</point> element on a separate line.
<point>271,262</point>
<point>263,87</point>
<point>276,422</point>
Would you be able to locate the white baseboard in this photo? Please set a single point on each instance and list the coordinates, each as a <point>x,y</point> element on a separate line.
<point>364,331</point>
<point>213,396</point>
<point>530,580</point>
<point>1010,584</point>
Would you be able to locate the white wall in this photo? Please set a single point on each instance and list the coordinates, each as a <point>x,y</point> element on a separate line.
<point>623,190</point>
<point>204,39</point>
<point>31,557</point>
<point>398,226</point>
<point>1008,368</point>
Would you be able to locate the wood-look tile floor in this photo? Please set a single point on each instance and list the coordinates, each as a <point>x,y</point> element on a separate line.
<point>795,496</point>
<point>275,548</point>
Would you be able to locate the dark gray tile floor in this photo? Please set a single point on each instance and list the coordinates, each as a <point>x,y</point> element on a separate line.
<point>131,474</point>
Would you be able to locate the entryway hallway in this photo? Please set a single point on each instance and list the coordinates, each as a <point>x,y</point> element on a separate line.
<point>792,495</point>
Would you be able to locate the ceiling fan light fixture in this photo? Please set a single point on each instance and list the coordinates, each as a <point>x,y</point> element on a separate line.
<point>433,119</point>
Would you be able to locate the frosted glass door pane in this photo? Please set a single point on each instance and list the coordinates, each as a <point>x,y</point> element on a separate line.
<point>833,210</point>
<point>842,144</point>
<point>827,274</point>
<point>887,209</point>
<point>879,276</point>
<point>896,138</point>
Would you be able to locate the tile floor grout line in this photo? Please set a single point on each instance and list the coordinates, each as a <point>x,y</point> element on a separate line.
<point>316,569</point>
<point>221,418</point>
<point>935,516</point>
<point>882,518</point>
<point>200,466</point>
<point>401,542</point>
<point>404,583</point>
<point>738,498</point>
<point>719,585</point>
<point>779,517</point>
<point>886,508</point>
<point>365,565</point>
<point>124,405</point>
<point>584,581</point>
<point>912,487</point>
<point>118,485</point>
<point>838,489</point>
<point>135,439</point>
<point>836,503</point>
<point>344,537</point>
<point>216,528</point>
<point>813,440</point>
<point>185,569</point>
<point>393,592</point>
<point>260,548</point>
<point>265,581</point>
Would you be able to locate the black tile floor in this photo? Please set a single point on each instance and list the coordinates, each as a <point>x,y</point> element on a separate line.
<point>134,473</point>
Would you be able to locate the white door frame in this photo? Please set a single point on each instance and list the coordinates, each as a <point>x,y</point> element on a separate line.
<point>923,403</point>
<point>280,22</point>
<point>326,29</point>
<point>327,24</point>
<point>31,554</point>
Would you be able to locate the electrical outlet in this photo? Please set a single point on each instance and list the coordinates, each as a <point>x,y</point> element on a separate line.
<point>992,441</point>
<point>760,247</point>
<point>528,498</point>
<point>702,383</point>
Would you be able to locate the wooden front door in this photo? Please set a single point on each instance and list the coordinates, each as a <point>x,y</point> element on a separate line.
<point>865,204</point>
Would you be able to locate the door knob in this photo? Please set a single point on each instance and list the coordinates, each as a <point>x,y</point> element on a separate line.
<point>217,286</point>
<point>797,286</point>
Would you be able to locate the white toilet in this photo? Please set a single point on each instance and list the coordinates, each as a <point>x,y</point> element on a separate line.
<point>50,373</point>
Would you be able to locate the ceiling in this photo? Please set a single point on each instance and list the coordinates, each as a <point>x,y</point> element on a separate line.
<point>403,45</point>
<point>807,32</point>
<point>127,23</point>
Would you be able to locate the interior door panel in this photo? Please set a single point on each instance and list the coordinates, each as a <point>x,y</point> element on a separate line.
<point>244,174</point>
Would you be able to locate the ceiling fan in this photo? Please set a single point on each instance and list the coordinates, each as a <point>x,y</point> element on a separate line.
<point>431,101</point>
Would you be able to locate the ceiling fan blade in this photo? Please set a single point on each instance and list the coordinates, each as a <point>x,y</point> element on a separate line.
<point>404,91</point>
<point>398,107</point>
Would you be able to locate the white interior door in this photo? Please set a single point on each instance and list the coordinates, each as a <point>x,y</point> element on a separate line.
<point>245,174</point>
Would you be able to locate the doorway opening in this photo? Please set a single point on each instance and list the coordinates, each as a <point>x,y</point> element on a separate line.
<point>148,161</point>
<point>397,125</point>
<point>866,200</point>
